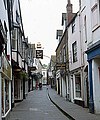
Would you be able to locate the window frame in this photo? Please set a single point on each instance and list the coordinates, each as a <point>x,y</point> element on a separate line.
<point>5,4</point>
<point>74,51</point>
<point>78,87</point>
<point>73,26</point>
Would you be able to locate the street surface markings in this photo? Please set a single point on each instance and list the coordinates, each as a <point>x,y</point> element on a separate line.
<point>33,109</point>
<point>46,113</point>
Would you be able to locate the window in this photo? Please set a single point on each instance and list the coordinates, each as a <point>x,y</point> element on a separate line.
<point>43,73</point>
<point>94,16</point>
<point>17,17</point>
<point>19,37</point>
<point>6,95</point>
<point>60,56</point>
<point>5,3</point>
<point>85,26</point>
<point>78,85</point>
<point>74,50</point>
<point>14,39</point>
<point>99,9</point>
<point>73,26</point>
<point>64,54</point>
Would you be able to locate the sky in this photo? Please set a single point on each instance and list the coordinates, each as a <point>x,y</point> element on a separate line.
<point>41,19</point>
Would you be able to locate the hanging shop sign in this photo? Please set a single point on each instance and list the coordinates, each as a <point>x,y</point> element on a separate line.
<point>39,54</point>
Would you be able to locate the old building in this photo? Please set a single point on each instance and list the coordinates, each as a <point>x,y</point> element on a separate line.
<point>19,54</point>
<point>75,62</point>
<point>52,71</point>
<point>32,66</point>
<point>62,67</point>
<point>91,17</point>
<point>5,61</point>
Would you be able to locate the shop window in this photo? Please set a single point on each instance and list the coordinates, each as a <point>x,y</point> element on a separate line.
<point>78,85</point>
<point>3,109</point>
<point>74,49</point>
<point>16,90</point>
<point>6,95</point>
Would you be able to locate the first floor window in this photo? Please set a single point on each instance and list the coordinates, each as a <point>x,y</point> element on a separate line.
<point>74,49</point>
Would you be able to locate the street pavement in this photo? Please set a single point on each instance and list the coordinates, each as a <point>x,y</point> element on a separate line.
<point>46,104</point>
<point>75,112</point>
<point>36,106</point>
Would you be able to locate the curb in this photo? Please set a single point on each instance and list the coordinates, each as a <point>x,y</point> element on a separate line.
<point>65,113</point>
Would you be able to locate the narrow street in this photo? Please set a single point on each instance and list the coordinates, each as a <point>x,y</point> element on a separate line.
<point>36,106</point>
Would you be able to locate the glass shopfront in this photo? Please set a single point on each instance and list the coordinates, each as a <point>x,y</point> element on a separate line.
<point>6,86</point>
<point>5,96</point>
<point>78,85</point>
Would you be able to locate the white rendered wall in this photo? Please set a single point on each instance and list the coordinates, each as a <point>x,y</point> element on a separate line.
<point>96,84</point>
<point>72,37</point>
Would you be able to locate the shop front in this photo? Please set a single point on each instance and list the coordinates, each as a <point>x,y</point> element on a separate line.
<point>5,80</point>
<point>93,56</point>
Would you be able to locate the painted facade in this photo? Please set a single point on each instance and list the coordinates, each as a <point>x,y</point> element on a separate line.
<point>93,52</point>
<point>77,63</point>
<point>83,79</point>
<point>52,72</point>
<point>5,62</point>
<point>19,55</point>
<point>61,65</point>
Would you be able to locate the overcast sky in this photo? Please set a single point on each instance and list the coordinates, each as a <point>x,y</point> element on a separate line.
<point>41,19</point>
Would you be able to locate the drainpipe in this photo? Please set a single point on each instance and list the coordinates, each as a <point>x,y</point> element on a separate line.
<point>91,101</point>
<point>0,92</point>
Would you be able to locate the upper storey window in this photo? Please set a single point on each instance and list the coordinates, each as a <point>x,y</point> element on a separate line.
<point>5,3</point>
<point>74,50</point>
<point>73,26</point>
<point>94,16</point>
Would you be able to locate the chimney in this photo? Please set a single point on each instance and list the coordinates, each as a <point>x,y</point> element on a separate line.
<point>69,9</point>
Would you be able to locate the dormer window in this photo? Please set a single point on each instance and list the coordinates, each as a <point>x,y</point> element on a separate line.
<point>59,34</point>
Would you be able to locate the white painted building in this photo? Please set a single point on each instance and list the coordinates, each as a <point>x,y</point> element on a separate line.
<point>84,45</point>
<point>77,62</point>
<point>5,62</point>
<point>19,54</point>
<point>91,14</point>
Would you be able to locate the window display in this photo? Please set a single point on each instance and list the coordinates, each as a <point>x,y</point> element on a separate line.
<point>78,85</point>
<point>5,96</point>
